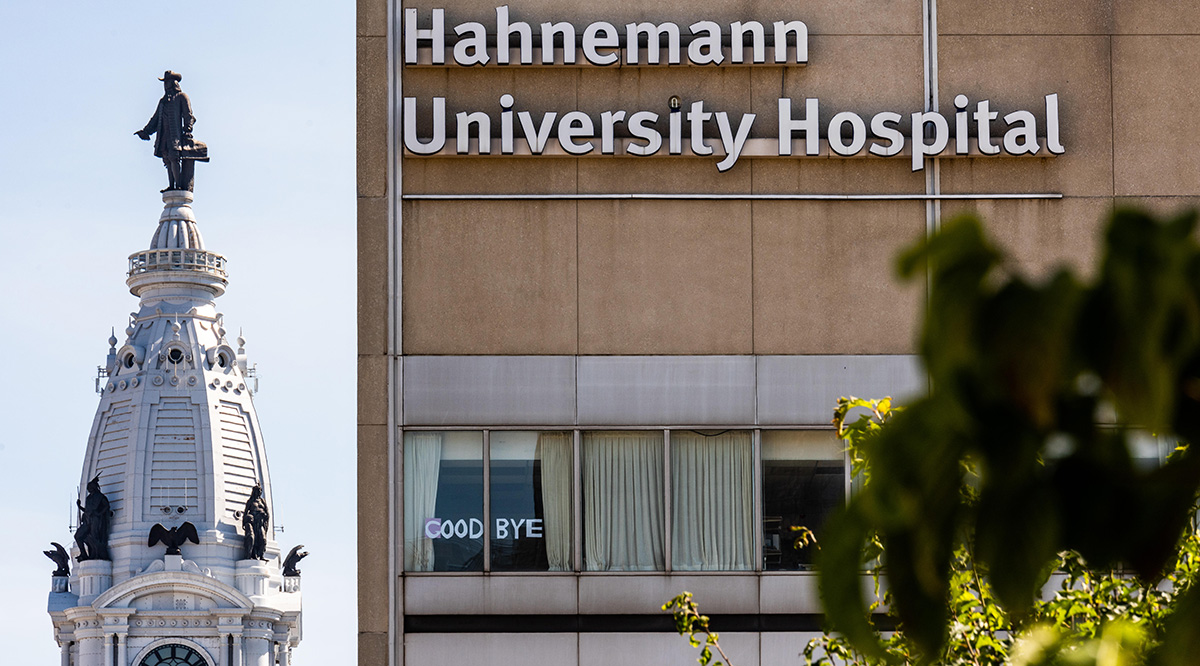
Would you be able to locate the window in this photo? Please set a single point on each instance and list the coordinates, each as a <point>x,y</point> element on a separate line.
<point>712,500</point>
<point>803,480</point>
<point>636,500</point>
<point>443,501</point>
<point>623,526</point>
<point>531,500</point>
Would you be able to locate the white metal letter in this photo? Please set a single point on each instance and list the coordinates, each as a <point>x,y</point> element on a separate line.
<point>436,34</point>
<point>411,142</point>
<point>600,35</point>
<point>809,124</point>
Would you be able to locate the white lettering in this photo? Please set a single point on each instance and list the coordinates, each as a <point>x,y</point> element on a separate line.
<point>476,43</point>
<point>436,35</point>
<point>501,528</point>
<point>731,143</point>
<point>483,125</point>
<point>652,137</point>
<point>567,31</point>
<point>504,30</point>
<point>476,528</point>
<point>705,49</point>
<point>858,133</point>
<point>572,125</point>
<point>600,35</point>
<point>533,531</point>
<point>433,527</point>
<point>809,124</point>
<point>411,142</point>
<point>1053,142</point>
<point>941,135</point>
<point>608,121</point>
<point>961,134</point>
<point>654,35</point>
<point>1022,138</point>
<point>738,34</point>
<point>895,139</point>
<point>800,30</point>
<point>696,118</point>
<point>536,137</point>
<point>983,127</point>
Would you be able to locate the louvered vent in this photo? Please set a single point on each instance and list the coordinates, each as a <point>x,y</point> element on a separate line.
<point>113,452</point>
<point>173,477</point>
<point>237,455</point>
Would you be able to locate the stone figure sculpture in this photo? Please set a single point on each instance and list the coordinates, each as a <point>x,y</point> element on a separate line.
<point>255,520</point>
<point>95,516</point>
<point>173,538</point>
<point>61,558</point>
<point>172,123</point>
<point>293,558</point>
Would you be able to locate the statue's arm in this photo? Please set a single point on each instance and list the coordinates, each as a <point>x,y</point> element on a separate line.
<point>152,126</point>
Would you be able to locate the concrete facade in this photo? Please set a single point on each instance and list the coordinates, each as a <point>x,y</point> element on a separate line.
<point>555,310</point>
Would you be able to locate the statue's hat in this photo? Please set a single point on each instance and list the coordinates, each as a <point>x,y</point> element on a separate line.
<point>171,76</point>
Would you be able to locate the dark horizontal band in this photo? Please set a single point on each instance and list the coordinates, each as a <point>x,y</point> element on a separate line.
<point>559,624</point>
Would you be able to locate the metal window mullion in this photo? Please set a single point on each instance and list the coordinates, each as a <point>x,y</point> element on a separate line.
<point>667,523</point>
<point>577,501</point>
<point>756,439</point>
<point>487,501</point>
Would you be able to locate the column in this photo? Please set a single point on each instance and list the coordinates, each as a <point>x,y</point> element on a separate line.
<point>108,653</point>
<point>237,650</point>
<point>258,652</point>
<point>65,657</point>
<point>281,649</point>
<point>123,649</point>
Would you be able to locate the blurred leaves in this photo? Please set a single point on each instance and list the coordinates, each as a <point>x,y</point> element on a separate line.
<point>1021,453</point>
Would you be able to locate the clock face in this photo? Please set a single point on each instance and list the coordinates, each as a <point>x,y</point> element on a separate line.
<point>174,655</point>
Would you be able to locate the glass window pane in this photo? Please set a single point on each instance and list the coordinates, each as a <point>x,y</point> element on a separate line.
<point>712,507</point>
<point>804,479</point>
<point>623,501</point>
<point>531,501</point>
<point>443,501</point>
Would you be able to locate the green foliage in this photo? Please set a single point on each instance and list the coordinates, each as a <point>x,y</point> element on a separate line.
<point>1093,617</point>
<point>1021,452</point>
<point>689,622</point>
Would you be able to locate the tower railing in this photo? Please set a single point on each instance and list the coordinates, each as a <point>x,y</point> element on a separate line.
<point>177,260</point>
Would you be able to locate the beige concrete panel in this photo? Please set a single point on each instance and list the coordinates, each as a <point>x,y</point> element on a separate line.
<point>373,580</point>
<point>636,594</point>
<point>372,390</point>
<point>1165,207</point>
<point>372,275</point>
<point>663,174</point>
<point>537,91</point>
<point>372,18</point>
<point>1021,17</point>
<point>1156,144</point>
<point>634,89</point>
<point>664,277</point>
<point>664,649</point>
<point>492,277</point>
<point>785,647</point>
<point>489,175</point>
<point>835,176</point>
<point>372,648</point>
<point>1016,73</point>
<point>824,277</point>
<point>871,17</point>
<point>495,594</point>
<point>372,116</point>
<point>1041,235</point>
<point>524,648</point>
<point>862,74</point>
<point>790,593</point>
<point>1156,17</point>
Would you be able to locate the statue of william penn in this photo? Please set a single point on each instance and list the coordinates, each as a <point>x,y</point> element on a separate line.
<point>172,122</point>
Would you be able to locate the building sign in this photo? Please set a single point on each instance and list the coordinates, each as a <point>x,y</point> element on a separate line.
<point>973,128</point>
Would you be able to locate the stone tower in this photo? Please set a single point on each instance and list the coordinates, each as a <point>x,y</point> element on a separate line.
<point>176,444</point>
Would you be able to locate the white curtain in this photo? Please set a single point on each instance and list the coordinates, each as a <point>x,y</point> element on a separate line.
<point>554,451</point>
<point>422,463</point>
<point>623,501</point>
<point>712,508</point>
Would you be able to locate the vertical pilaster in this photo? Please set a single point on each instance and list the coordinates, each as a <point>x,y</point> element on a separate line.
<point>123,649</point>
<point>65,654</point>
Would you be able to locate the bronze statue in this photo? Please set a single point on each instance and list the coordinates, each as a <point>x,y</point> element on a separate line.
<point>95,515</point>
<point>172,122</point>
<point>255,520</point>
<point>173,538</point>
<point>61,558</point>
<point>293,558</point>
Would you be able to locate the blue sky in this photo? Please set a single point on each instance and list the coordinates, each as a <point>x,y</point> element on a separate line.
<point>272,87</point>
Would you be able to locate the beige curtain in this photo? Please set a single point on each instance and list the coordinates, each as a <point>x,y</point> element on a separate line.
<point>422,463</point>
<point>712,505</point>
<point>554,452</point>
<point>623,501</point>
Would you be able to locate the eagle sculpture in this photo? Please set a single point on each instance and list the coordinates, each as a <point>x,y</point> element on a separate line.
<point>173,538</point>
<point>293,558</point>
<point>61,558</point>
